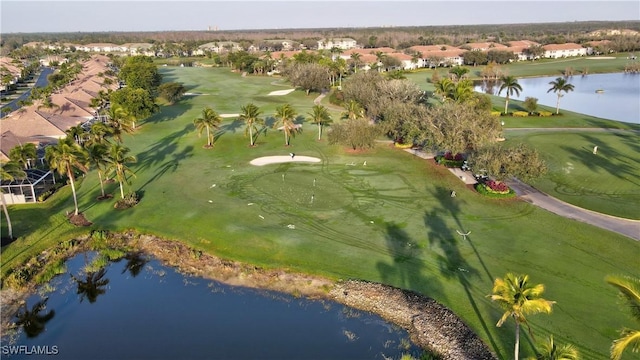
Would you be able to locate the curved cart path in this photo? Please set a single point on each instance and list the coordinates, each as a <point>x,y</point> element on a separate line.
<point>626,227</point>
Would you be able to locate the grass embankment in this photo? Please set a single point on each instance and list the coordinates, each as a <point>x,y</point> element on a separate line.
<point>391,221</point>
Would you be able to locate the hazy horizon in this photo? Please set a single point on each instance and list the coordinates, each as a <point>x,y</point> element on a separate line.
<point>55,16</point>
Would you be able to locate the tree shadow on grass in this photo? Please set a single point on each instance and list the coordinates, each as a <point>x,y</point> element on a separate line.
<point>170,165</point>
<point>160,150</point>
<point>232,126</point>
<point>451,262</point>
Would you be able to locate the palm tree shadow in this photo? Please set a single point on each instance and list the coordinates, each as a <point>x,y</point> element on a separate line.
<point>269,121</point>
<point>92,285</point>
<point>232,126</point>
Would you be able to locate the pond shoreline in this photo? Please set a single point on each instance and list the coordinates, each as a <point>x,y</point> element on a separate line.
<point>430,325</point>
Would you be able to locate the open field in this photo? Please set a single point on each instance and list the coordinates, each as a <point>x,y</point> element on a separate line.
<point>391,220</point>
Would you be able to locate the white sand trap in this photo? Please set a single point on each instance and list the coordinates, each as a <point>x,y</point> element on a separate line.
<point>601,58</point>
<point>229,115</point>
<point>281,92</point>
<point>266,160</point>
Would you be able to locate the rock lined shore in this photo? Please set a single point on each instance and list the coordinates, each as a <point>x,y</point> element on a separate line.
<point>431,325</point>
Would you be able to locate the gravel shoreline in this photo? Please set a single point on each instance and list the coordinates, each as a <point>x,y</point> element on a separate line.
<point>431,325</point>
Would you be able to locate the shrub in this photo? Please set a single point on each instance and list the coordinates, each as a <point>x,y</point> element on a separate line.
<point>403,146</point>
<point>520,114</point>
<point>545,113</point>
<point>449,160</point>
<point>336,98</point>
<point>496,113</point>
<point>495,189</point>
<point>130,200</point>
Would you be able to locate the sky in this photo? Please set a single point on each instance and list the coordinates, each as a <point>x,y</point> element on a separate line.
<point>152,15</point>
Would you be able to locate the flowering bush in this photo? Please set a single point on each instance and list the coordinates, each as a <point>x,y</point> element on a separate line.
<point>545,113</point>
<point>495,189</point>
<point>496,113</point>
<point>497,186</point>
<point>403,146</point>
<point>520,114</point>
<point>449,160</point>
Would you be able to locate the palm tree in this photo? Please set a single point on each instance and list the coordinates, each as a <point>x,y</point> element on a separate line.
<point>66,157</point>
<point>319,115</point>
<point>379,59</point>
<point>462,91</point>
<point>355,60</point>
<point>209,119</point>
<point>10,171</point>
<point>117,161</point>
<point>549,350</point>
<point>629,288</point>
<point>77,133</point>
<point>251,116</point>
<point>119,121</point>
<point>510,84</point>
<point>353,111</point>
<point>558,86</point>
<point>285,115</point>
<point>97,152</point>
<point>23,153</point>
<point>518,298</point>
<point>459,72</point>
<point>444,88</point>
<point>97,133</point>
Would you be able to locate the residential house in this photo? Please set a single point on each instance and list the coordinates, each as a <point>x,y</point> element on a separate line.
<point>519,49</point>
<point>439,55</point>
<point>140,49</point>
<point>340,43</point>
<point>218,47</point>
<point>555,51</point>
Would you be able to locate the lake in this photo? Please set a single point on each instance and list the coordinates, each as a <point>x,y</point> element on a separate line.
<point>619,100</point>
<point>140,309</point>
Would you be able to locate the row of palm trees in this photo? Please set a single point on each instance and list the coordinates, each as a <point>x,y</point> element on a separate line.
<point>510,84</point>
<point>518,297</point>
<point>285,116</point>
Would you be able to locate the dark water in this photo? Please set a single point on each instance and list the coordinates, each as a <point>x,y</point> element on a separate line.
<point>42,81</point>
<point>162,314</point>
<point>619,99</point>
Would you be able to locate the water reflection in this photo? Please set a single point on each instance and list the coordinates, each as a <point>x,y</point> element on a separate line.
<point>137,308</point>
<point>608,96</point>
<point>33,321</point>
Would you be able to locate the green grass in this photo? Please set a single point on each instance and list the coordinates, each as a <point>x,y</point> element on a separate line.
<point>608,182</point>
<point>391,221</point>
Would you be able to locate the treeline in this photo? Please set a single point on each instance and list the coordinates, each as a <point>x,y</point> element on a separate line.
<point>396,37</point>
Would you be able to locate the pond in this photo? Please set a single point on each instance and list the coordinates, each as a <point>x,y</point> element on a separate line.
<point>139,309</point>
<point>609,96</point>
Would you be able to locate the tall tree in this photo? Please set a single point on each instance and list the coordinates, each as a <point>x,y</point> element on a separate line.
<point>65,158</point>
<point>119,122</point>
<point>519,298</point>
<point>629,288</point>
<point>355,61</point>
<point>23,154</point>
<point>117,161</point>
<point>97,153</point>
<point>549,350</point>
<point>171,91</point>
<point>510,84</point>
<point>250,114</point>
<point>138,103</point>
<point>207,121</point>
<point>320,115</point>
<point>558,86</point>
<point>10,171</point>
<point>285,115</point>
<point>459,72</point>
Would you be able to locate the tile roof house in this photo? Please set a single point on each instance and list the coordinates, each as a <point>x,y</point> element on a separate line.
<point>484,46</point>
<point>555,51</point>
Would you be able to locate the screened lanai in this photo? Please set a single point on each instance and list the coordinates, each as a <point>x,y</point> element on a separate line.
<point>27,190</point>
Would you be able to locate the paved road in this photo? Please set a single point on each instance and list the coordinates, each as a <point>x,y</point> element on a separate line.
<point>626,227</point>
<point>41,82</point>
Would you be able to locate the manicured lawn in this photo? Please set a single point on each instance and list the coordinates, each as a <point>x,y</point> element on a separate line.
<point>392,220</point>
<point>607,182</point>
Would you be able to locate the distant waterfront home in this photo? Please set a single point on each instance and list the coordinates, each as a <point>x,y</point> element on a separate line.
<point>340,43</point>
<point>520,49</point>
<point>555,51</point>
<point>218,47</point>
<point>439,55</point>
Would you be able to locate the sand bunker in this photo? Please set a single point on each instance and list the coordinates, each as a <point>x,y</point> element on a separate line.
<point>281,92</point>
<point>266,160</point>
<point>229,115</point>
<point>601,58</point>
